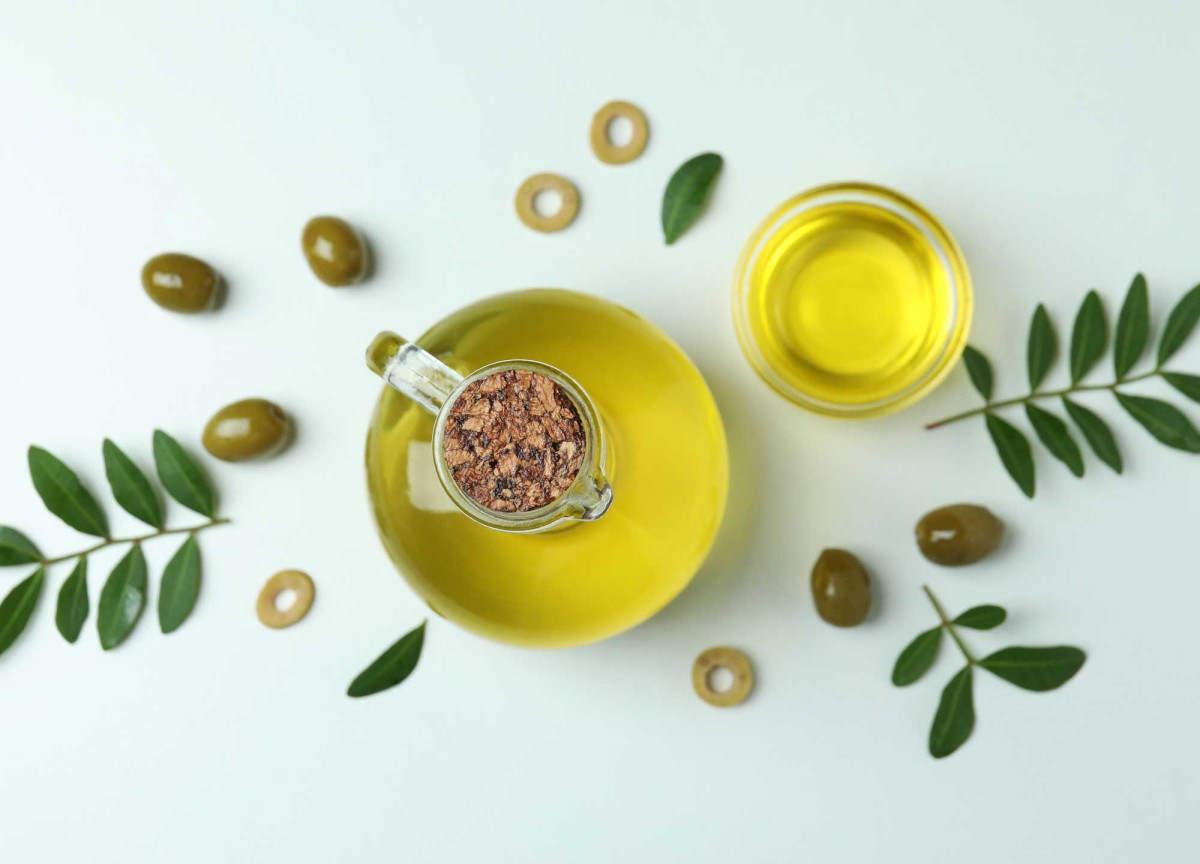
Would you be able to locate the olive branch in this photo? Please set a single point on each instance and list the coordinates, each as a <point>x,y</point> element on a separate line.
<point>1037,669</point>
<point>1089,341</point>
<point>123,596</point>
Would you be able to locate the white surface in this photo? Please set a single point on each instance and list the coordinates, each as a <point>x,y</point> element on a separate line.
<point>1058,142</point>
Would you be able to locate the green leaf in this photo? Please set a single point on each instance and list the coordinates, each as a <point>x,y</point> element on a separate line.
<point>955,716</point>
<point>1054,433</point>
<point>64,495</point>
<point>1035,668</point>
<point>1188,385</point>
<point>982,617</point>
<point>1014,453</point>
<point>181,476</point>
<point>1089,338</point>
<point>130,486</point>
<point>687,191</point>
<point>122,599</point>
<point>1162,420</point>
<point>1097,433</point>
<point>392,666</point>
<point>1043,347</point>
<point>1180,324</point>
<point>915,660</point>
<point>180,586</point>
<point>1133,327</point>
<point>16,548</point>
<point>16,608</point>
<point>73,606</point>
<point>979,368</point>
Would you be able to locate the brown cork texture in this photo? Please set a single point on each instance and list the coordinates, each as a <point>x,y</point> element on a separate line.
<point>513,441</point>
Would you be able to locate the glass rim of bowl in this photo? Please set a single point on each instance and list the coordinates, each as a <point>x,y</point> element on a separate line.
<point>948,254</point>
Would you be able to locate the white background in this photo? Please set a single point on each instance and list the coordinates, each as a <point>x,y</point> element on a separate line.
<point>1056,140</point>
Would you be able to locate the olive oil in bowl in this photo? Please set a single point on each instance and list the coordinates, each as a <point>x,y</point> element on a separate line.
<point>852,300</point>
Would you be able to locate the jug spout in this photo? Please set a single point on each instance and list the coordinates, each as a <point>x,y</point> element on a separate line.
<point>592,497</point>
<point>417,374</point>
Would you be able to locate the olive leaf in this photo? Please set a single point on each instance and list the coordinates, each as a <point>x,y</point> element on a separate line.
<point>979,368</point>
<point>16,548</point>
<point>73,606</point>
<point>1037,669</point>
<point>1162,420</point>
<point>180,586</point>
<point>1097,434</point>
<point>130,486</point>
<point>392,666</point>
<point>1089,337</point>
<point>1188,385</point>
<point>1043,347</point>
<point>181,476</point>
<point>1014,452</point>
<point>122,599</point>
<point>1029,668</point>
<point>1180,324</point>
<point>1056,437</point>
<point>1133,327</point>
<point>687,192</point>
<point>17,607</point>
<point>984,617</point>
<point>64,495</point>
<point>915,660</point>
<point>1089,340</point>
<point>955,717</point>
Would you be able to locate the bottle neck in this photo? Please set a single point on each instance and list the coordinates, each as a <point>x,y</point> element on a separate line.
<point>586,499</point>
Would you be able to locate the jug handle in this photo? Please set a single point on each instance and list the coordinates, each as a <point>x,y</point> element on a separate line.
<point>416,373</point>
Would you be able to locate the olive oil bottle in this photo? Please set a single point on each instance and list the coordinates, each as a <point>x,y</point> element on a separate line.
<point>665,458</point>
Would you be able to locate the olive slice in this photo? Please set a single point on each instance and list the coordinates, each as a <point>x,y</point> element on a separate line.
<point>722,657</point>
<point>296,581</point>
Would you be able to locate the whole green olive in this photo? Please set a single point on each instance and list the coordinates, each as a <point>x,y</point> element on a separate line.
<point>336,252</point>
<point>180,282</point>
<point>249,429</point>
<point>841,588</point>
<point>959,534</point>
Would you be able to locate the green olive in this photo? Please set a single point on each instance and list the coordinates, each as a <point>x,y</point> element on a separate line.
<point>180,282</point>
<point>959,534</point>
<point>841,588</point>
<point>249,429</point>
<point>336,252</point>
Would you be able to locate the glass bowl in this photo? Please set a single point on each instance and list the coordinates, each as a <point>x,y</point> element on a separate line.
<point>852,300</point>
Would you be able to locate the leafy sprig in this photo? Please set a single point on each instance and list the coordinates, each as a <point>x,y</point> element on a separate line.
<point>1037,669</point>
<point>1089,341</point>
<point>123,596</point>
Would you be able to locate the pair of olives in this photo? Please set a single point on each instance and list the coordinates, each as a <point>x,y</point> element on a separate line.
<point>336,252</point>
<point>952,536</point>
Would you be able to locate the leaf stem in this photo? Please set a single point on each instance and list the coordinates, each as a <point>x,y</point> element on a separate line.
<point>46,562</point>
<point>937,607</point>
<point>1042,394</point>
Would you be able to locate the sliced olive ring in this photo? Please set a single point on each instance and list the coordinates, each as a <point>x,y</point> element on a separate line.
<point>738,665</point>
<point>602,145</point>
<point>539,183</point>
<point>294,580</point>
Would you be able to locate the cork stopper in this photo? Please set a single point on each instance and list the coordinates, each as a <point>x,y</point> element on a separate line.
<point>513,441</point>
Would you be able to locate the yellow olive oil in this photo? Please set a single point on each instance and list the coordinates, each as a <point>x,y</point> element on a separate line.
<point>666,461</point>
<point>852,300</point>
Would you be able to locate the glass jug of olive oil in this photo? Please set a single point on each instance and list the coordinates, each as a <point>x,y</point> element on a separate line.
<point>627,533</point>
